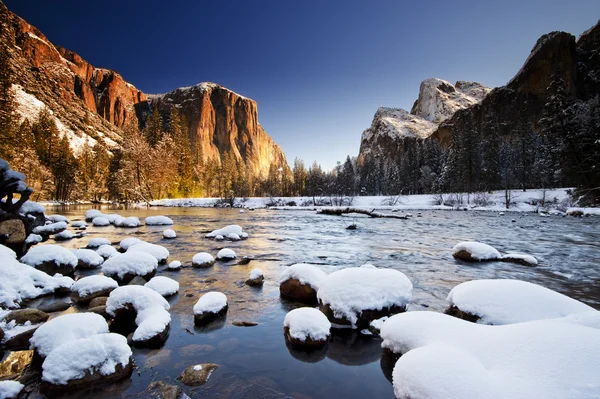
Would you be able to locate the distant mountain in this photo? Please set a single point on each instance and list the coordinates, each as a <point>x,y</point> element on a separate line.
<point>91,103</point>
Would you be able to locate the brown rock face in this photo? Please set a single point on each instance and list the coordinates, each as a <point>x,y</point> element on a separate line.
<point>294,290</point>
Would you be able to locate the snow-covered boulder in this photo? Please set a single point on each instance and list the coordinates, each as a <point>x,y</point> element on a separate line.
<point>130,221</point>
<point>33,239</point>
<point>19,282</point>
<point>300,282</point>
<point>163,285</point>
<point>509,301</point>
<point>87,258</point>
<point>148,307</point>
<point>87,288</point>
<point>128,242</point>
<point>256,278</point>
<point>522,259</point>
<point>169,233</point>
<point>158,251</point>
<point>225,231</point>
<point>471,251</point>
<point>51,259</point>
<point>91,214</point>
<point>6,252</point>
<point>100,221</point>
<point>77,365</point>
<point>95,243</point>
<point>48,229</point>
<point>445,357</point>
<point>10,389</point>
<point>233,237</point>
<point>124,267</point>
<point>107,251</point>
<point>158,221</point>
<point>226,254</point>
<point>219,238</point>
<point>66,235</point>
<point>64,329</point>
<point>306,327</point>
<point>174,265</point>
<point>209,307</point>
<point>203,259</point>
<point>79,224</point>
<point>358,295</point>
<point>57,218</point>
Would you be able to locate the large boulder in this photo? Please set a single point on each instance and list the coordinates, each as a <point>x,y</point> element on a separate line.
<point>87,288</point>
<point>124,267</point>
<point>51,259</point>
<point>300,282</point>
<point>209,307</point>
<point>306,327</point>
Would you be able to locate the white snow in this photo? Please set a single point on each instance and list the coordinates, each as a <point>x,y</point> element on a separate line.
<point>512,301</point>
<point>198,367</point>
<point>174,265</point>
<point>159,252</point>
<point>138,263</point>
<point>100,221</point>
<point>50,253</point>
<point>350,291</point>
<point>526,258</point>
<point>219,238</point>
<point>152,309</point>
<point>19,281</point>
<point>477,250</point>
<point>97,242</point>
<point>203,259</point>
<point>397,123</point>
<point>445,357</point>
<point>100,353</point>
<point>163,285</point>
<point>31,207</point>
<point>128,242</point>
<point>50,228</point>
<point>92,213</point>
<point>584,211</point>
<point>305,273</point>
<point>226,254</point>
<point>212,302</point>
<point>7,252</point>
<point>378,323</point>
<point>107,251</point>
<point>225,231</point>
<point>168,233</point>
<point>158,220</point>
<point>66,328</point>
<point>304,323</point>
<point>130,221</point>
<point>33,239</point>
<point>255,273</point>
<point>57,218</point>
<point>90,257</point>
<point>78,224</point>
<point>10,389</point>
<point>64,235</point>
<point>233,237</point>
<point>92,284</point>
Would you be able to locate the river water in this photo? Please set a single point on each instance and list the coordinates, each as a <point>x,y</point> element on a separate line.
<point>254,362</point>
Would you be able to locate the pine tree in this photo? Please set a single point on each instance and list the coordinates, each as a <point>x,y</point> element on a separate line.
<point>154,127</point>
<point>8,143</point>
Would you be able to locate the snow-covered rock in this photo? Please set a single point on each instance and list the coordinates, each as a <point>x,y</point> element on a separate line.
<point>209,307</point>
<point>163,285</point>
<point>6,252</point>
<point>87,258</point>
<point>10,389</point>
<point>445,357</point>
<point>169,233</point>
<point>219,238</point>
<point>100,358</point>
<point>79,224</point>
<point>300,282</point>
<point>107,251</point>
<point>509,301</point>
<point>52,228</point>
<point>64,329</point>
<point>87,288</point>
<point>51,259</point>
<point>174,265</point>
<point>65,235</point>
<point>233,237</point>
<point>124,267</point>
<point>522,259</point>
<point>91,214</point>
<point>158,221</point>
<point>358,295</point>
<point>19,281</point>
<point>128,242</point>
<point>306,327</point>
<point>130,221</point>
<point>233,228</point>
<point>256,278</point>
<point>226,254</point>
<point>158,251</point>
<point>152,316</point>
<point>33,239</point>
<point>97,242</point>
<point>100,221</point>
<point>472,251</point>
<point>57,218</point>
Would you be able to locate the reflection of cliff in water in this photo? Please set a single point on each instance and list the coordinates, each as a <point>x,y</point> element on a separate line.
<point>351,348</point>
<point>15,362</point>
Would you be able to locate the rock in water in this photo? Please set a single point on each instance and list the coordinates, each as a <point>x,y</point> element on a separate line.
<point>198,374</point>
<point>300,282</point>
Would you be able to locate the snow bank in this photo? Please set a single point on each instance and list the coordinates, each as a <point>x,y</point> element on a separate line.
<point>445,357</point>
<point>100,353</point>
<point>88,258</point>
<point>152,317</point>
<point>7,252</point>
<point>128,242</point>
<point>203,259</point>
<point>97,242</point>
<point>92,284</point>
<point>226,254</point>
<point>158,221</point>
<point>66,328</point>
<point>56,254</point>
<point>351,291</point>
<point>163,285</point>
<point>10,389</point>
<point>130,263</point>
<point>159,252</point>
<point>476,250</point>
<point>305,273</point>
<point>583,211</point>
<point>307,323</point>
<point>211,302</point>
<point>512,301</point>
<point>232,232</point>
<point>168,233</point>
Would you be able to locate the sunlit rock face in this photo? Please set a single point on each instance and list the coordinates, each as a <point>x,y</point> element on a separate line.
<point>221,120</point>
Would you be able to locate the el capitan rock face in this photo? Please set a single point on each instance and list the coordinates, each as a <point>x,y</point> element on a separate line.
<point>95,103</point>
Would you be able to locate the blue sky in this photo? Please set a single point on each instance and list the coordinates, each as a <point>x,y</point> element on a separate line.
<point>318,69</point>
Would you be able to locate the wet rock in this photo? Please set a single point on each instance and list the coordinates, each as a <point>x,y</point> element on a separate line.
<point>203,260</point>
<point>456,312</point>
<point>198,374</point>
<point>98,301</point>
<point>88,380</point>
<point>364,318</point>
<point>101,310</point>
<point>21,316</point>
<point>57,306</point>
<point>162,390</point>
<point>256,282</point>
<point>196,349</point>
<point>20,342</point>
<point>13,232</point>
<point>294,290</point>
<point>203,318</point>
<point>137,280</point>
<point>1,334</point>
<point>244,323</point>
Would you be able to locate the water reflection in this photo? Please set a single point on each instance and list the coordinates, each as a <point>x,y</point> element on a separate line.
<point>351,348</point>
